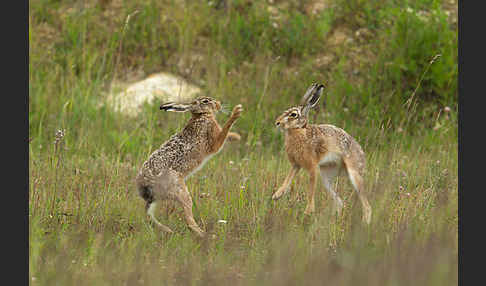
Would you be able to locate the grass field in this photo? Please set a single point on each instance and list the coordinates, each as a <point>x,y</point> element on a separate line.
<point>390,68</point>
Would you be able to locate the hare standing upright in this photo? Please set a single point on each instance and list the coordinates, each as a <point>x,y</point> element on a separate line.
<point>324,148</point>
<point>163,175</point>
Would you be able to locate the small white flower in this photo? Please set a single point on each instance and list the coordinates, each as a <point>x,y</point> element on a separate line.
<point>231,162</point>
<point>222,221</point>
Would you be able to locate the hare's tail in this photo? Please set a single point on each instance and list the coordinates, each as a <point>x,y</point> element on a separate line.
<point>146,193</point>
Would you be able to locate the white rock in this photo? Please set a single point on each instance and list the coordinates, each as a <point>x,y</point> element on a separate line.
<point>166,87</point>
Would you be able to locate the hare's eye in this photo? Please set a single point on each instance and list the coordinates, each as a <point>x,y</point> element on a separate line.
<point>293,114</point>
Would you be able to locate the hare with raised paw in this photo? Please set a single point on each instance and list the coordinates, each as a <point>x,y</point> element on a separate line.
<point>324,149</point>
<point>163,175</point>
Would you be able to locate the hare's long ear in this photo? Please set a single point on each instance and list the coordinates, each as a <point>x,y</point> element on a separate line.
<point>308,94</point>
<point>311,97</point>
<point>175,107</point>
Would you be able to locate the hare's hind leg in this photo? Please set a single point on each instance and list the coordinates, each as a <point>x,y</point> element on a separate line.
<point>184,198</point>
<point>328,175</point>
<point>151,207</point>
<point>358,183</point>
<point>149,193</point>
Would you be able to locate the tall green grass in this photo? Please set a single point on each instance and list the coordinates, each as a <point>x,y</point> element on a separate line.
<point>87,225</point>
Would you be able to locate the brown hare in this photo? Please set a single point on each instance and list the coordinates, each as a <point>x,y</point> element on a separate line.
<point>324,148</point>
<point>163,175</point>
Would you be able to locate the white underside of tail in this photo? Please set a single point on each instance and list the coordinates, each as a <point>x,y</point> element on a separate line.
<point>151,209</point>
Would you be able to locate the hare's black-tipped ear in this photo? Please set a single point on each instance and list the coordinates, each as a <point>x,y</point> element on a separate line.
<point>174,107</point>
<point>308,93</point>
<point>312,97</point>
<point>316,95</point>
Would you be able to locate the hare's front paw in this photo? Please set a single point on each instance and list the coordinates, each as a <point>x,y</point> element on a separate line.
<point>237,111</point>
<point>281,191</point>
<point>233,136</point>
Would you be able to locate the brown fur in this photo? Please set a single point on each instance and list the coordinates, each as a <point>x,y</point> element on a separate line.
<point>321,148</point>
<point>162,176</point>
